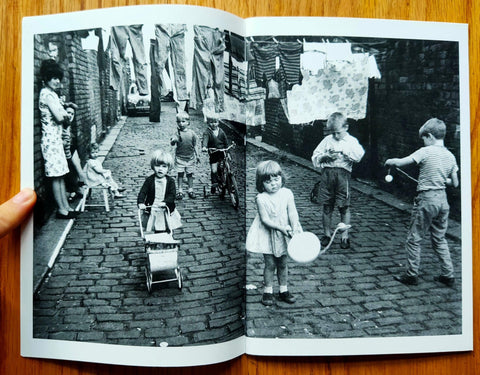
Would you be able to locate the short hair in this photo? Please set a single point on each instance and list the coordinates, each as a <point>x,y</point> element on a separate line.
<point>182,115</point>
<point>266,170</point>
<point>93,147</point>
<point>161,157</point>
<point>336,120</point>
<point>435,127</point>
<point>50,69</point>
<point>213,116</point>
<point>71,105</point>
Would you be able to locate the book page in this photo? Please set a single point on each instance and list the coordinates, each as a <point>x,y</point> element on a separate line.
<point>385,266</point>
<point>134,254</point>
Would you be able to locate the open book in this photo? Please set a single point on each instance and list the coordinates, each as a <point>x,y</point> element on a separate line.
<point>117,281</point>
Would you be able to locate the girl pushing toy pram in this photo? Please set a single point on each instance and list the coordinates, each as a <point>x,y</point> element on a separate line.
<point>157,196</point>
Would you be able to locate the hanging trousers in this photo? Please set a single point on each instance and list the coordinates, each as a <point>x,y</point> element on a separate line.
<point>208,66</point>
<point>155,86</point>
<point>290,60</point>
<point>170,40</point>
<point>119,38</point>
<point>265,54</point>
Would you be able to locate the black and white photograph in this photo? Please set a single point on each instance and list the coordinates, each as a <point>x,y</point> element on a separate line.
<point>213,188</point>
<point>344,118</point>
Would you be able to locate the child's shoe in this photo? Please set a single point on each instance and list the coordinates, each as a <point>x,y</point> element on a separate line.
<point>448,281</point>
<point>191,194</point>
<point>213,189</point>
<point>407,279</point>
<point>345,243</point>
<point>287,297</point>
<point>179,196</point>
<point>267,299</point>
<point>325,240</point>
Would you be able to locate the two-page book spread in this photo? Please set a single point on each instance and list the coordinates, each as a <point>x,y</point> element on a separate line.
<point>210,186</point>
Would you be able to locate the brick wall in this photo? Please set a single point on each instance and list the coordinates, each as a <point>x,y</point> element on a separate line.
<point>419,81</point>
<point>86,83</point>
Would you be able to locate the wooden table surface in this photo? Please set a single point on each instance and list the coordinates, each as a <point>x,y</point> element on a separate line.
<point>12,11</point>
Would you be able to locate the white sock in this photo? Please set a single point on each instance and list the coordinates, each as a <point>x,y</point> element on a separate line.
<point>283,288</point>
<point>268,289</point>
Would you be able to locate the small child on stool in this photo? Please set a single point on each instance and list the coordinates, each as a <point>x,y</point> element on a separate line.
<point>96,175</point>
<point>438,169</point>
<point>157,191</point>
<point>336,154</point>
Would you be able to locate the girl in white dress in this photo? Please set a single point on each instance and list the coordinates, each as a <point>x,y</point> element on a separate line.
<point>96,175</point>
<point>276,220</point>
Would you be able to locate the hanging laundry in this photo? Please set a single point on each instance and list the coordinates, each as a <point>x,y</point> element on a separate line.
<point>341,87</point>
<point>120,35</point>
<point>332,51</point>
<point>208,67</point>
<point>264,54</point>
<point>155,85</point>
<point>373,71</point>
<point>90,42</point>
<point>290,60</point>
<point>170,40</point>
<point>313,61</point>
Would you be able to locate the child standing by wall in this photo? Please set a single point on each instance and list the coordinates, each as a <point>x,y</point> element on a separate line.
<point>438,169</point>
<point>185,153</point>
<point>335,155</point>
<point>96,175</point>
<point>158,191</point>
<point>214,137</point>
<point>276,217</point>
<point>75,177</point>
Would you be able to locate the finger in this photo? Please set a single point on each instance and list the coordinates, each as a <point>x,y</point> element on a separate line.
<point>15,210</point>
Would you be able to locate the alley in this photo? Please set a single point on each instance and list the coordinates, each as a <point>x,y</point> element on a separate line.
<point>351,293</point>
<point>96,290</point>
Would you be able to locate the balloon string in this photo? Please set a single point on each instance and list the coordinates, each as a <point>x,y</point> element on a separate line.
<point>330,243</point>
<point>406,175</point>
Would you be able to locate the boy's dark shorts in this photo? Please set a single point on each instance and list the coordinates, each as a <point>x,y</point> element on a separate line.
<point>335,187</point>
<point>216,156</point>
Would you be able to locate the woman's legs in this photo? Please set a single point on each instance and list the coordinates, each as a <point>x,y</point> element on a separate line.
<point>60,195</point>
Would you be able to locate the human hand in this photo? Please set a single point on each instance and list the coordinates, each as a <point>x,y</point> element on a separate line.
<point>204,149</point>
<point>142,206</point>
<point>15,210</point>
<point>390,162</point>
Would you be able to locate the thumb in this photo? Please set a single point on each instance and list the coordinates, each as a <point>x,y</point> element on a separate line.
<point>14,211</point>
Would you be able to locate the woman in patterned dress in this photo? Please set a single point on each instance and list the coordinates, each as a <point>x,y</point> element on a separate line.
<point>52,115</point>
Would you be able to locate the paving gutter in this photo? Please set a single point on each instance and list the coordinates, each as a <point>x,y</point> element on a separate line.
<point>59,229</point>
<point>454,228</point>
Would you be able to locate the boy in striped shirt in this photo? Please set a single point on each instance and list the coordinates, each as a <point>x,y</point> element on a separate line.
<point>438,169</point>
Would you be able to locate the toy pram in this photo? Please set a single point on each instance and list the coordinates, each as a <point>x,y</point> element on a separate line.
<point>161,249</point>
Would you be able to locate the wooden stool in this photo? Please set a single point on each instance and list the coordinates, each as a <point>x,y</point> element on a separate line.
<point>88,190</point>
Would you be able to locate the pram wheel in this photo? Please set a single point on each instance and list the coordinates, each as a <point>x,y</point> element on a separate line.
<point>178,274</point>
<point>148,277</point>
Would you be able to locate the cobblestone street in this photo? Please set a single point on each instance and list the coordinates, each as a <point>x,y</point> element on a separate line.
<point>96,290</point>
<point>351,293</point>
